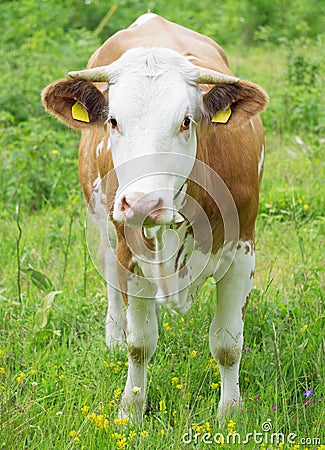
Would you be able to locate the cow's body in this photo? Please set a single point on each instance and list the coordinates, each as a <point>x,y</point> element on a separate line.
<point>184,209</point>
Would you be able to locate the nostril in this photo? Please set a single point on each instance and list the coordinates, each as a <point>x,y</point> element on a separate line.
<point>124,205</point>
<point>139,206</point>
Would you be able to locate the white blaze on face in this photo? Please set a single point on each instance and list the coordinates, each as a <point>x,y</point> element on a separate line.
<point>154,103</point>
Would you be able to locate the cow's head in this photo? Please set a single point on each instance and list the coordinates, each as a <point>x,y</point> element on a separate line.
<point>154,104</point>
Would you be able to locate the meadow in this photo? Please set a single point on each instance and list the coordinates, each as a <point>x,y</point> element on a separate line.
<point>60,387</point>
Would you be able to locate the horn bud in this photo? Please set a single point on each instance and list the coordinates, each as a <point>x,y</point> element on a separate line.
<point>208,76</point>
<point>94,74</point>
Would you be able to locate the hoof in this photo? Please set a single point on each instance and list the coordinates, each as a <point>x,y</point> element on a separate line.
<point>227,410</point>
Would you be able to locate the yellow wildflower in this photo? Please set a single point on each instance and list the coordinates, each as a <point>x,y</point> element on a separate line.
<point>73,433</point>
<point>303,329</point>
<point>61,377</point>
<point>214,386</point>
<point>106,425</point>
<point>2,371</point>
<point>55,152</point>
<point>162,406</point>
<point>33,372</point>
<point>197,428</point>
<point>305,206</point>
<point>21,377</point>
<point>121,443</point>
<point>167,326</point>
<point>193,353</point>
<point>117,436</point>
<point>85,410</point>
<point>174,380</point>
<point>231,426</point>
<point>122,422</point>
<point>144,433</point>
<point>117,393</point>
<point>179,386</point>
<point>132,434</point>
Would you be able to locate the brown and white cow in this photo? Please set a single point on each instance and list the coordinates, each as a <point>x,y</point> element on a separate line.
<point>170,164</point>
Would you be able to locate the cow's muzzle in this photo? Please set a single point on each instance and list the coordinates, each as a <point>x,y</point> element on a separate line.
<point>142,209</point>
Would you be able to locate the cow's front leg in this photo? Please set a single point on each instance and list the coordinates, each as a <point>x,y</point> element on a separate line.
<point>115,319</point>
<point>226,330</point>
<point>142,336</point>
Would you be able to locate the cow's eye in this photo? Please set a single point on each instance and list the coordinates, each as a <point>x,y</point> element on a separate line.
<point>113,122</point>
<point>186,124</point>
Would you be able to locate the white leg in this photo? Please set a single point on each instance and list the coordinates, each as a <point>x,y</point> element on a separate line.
<point>142,337</point>
<point>115,320</point>
<point>115,325</point>
<point>226,330</point>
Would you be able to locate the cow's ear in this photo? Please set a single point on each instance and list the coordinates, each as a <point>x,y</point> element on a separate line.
<point>77,103</point>
<point>234,103</point>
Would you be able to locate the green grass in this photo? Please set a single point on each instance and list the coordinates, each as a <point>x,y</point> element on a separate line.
<point>72,367</point>
<point>59,385</point>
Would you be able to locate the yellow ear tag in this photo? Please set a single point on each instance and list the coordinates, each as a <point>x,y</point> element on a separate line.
<point>222,116</point>
<point>79,113</point>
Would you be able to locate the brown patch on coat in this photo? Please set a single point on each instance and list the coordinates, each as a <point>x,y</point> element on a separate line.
<point>138,354</point>
<point>124,262</point>
<point>227,357</point>
<point>243,310</point>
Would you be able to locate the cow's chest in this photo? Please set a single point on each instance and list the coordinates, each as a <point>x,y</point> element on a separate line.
<point>176,267</point>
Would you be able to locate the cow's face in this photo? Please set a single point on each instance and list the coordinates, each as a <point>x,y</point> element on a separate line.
<point>154,105</point>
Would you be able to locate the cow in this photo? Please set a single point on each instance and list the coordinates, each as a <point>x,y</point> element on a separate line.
<point>170,164</point>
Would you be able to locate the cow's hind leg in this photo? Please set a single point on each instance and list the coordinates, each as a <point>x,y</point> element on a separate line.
<point>226,330</point>
<point>142,337</point>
